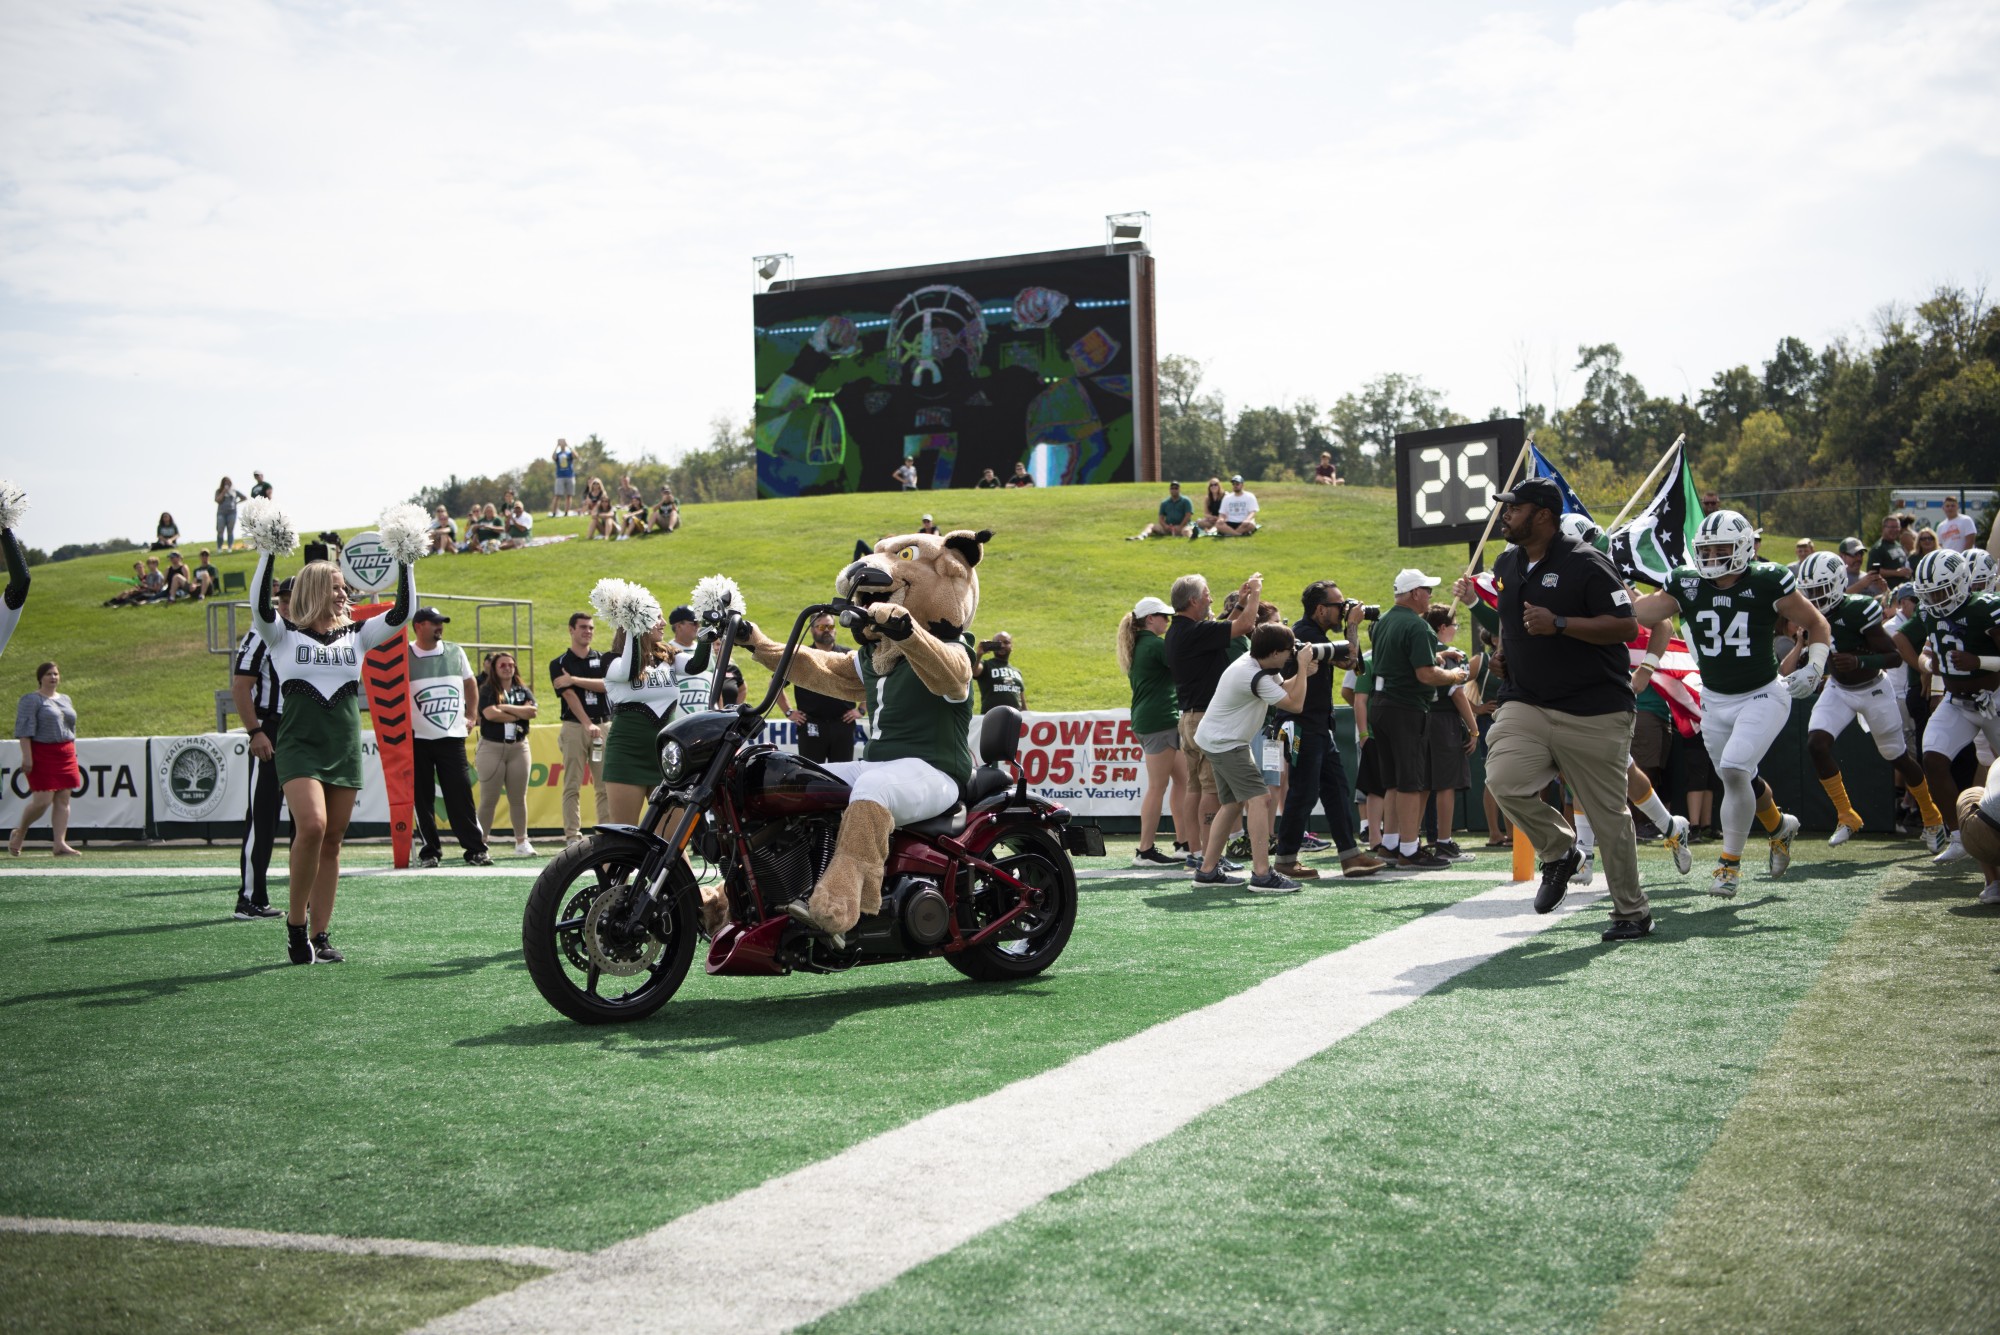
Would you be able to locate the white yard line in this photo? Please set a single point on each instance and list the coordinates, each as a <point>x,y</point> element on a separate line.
<point>549,1258</point>
<point>802,1245</point>
<point>227,875</point>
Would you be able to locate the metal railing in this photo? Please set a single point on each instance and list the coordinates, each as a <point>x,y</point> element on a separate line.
<point>224,633</point>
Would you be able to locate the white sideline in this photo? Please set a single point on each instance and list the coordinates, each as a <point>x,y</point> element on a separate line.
<point>802,1245</point>
<point>548,1258</point>
<point>227,875</point>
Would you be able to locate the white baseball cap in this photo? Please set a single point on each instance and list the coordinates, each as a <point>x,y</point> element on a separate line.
<point>1411,579</point>
<point>1147,607</point>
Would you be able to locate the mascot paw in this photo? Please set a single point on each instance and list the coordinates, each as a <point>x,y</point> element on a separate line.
<point>714,910</point>
<point>893,619</point>
<point>800,911</point>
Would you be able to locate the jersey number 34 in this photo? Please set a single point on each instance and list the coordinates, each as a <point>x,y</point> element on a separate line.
<point>1714,635</point>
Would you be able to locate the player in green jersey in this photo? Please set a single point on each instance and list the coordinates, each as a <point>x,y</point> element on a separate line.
<point>1959,632</point>
<point>1858,687</point>
<point>1731,603</point>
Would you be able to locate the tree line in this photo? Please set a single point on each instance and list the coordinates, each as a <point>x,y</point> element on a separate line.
<point>1913,400</point>
<point>723,469</point>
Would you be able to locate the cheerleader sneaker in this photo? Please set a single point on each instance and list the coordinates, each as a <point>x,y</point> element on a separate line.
<point>298,947</point>
<point>324,953</point>
<point>1781,845</point>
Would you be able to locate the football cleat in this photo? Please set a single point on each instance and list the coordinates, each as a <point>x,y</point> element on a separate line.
<point>1580,878</point>
<point>1842,832</point>
<point>1679,839</point>
<point>1724,882</point>
<point>1933,838</point>
<point>1781,845</point>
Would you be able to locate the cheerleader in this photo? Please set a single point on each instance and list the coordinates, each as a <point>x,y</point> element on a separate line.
<point>318,654</point>
<point>642,687</point>
<point>13,505</point>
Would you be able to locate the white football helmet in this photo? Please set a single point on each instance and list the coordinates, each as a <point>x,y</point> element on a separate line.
<point>1725,544</point>
<point>1985,570</point>
<point>1579,528</point>
<point>1944,582</point>
<point>1822,579</point>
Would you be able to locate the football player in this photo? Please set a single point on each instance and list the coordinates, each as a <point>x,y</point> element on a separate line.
<point>1731,603</point>
<point>1859,687</point>
<point>1959,633</point>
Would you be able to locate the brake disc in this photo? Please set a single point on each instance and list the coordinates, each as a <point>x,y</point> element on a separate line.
<point>613,952</point>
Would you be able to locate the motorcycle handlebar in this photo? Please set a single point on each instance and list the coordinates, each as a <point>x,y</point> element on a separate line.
<point>733,627</point>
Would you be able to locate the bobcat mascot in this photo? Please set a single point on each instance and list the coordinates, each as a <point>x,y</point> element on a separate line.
<point>913,680</point>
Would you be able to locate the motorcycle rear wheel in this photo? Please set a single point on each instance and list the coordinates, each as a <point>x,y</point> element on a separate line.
<point>1037,858</point>
<point>579,965</point>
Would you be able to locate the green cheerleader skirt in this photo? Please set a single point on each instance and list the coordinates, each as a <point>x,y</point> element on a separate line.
<point>320,741</point>
<point>631,752</point>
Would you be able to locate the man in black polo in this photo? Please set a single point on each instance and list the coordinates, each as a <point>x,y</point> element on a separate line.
<point>1566,700</point>
<point>1197,652</point>
<point>825,722</point>
<point>577,674</point>
<point>1318,774</point>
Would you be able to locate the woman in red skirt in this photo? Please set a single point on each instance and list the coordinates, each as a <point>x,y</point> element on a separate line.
<point>45,723</point>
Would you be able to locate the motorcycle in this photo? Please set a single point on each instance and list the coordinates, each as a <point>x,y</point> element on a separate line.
<point>612,924</point>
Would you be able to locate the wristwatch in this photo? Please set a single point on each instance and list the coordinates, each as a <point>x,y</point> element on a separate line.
<point>1562,625</point>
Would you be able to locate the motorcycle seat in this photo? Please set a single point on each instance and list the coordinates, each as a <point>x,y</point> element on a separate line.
<point>951,822</point>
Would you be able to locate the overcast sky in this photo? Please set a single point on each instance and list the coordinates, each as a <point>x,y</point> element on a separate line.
<point>361,246</point>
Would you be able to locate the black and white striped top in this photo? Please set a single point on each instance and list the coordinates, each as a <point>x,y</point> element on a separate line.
<point>253,660</point>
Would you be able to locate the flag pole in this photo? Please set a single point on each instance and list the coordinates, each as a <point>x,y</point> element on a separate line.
<point>1650,478</point>
<point>1527,448</point>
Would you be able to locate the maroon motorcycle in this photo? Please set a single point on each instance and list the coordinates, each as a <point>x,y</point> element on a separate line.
<point>612,923</point>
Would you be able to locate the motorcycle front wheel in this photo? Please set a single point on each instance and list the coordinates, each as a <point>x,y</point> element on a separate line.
<point>1032,941</point>
<point>582,963</point>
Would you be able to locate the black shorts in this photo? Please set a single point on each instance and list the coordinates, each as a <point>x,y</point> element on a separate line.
<point>1696,768</point>
<point>1449,765</point>
<point>1367,775</point>
<point>1652,738</point>
<point>1401,734</point>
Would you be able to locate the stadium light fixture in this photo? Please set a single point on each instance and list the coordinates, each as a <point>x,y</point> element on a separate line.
<point>1126,231</point>
<point>772,270</point>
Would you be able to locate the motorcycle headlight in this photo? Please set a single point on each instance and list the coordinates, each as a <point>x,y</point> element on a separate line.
<point>673,761</point>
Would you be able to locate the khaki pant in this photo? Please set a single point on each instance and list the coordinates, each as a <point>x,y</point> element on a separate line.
<point>1527,746</point>
<point>502,765</point>
<point>576,759</point>
<point>1201,776</point>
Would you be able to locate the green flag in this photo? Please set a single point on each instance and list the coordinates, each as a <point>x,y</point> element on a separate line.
<point>1660,536</point>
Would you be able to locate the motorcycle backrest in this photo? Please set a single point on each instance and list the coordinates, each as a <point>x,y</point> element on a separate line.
<point>1000,735</point>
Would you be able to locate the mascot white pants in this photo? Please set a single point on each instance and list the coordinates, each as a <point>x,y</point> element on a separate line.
<point>908,789</point>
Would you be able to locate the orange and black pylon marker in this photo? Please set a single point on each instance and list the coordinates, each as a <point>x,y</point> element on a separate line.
<point>385,675</point>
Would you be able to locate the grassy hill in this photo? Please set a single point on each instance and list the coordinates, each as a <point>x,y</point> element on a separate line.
<point>1058,575</point>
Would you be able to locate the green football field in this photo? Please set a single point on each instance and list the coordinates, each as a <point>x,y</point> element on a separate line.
<point>1776,1114</point>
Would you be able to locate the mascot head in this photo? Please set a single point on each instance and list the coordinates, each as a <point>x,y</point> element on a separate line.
<point>930,574</point>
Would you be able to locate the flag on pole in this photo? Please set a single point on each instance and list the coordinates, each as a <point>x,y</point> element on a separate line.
<point>1539,466</point>
<point>1661,536</point>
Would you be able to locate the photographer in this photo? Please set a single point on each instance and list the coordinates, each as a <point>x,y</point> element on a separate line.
<point>1565,700</point>
<point>1318,776</point>
<point>1407,666</point>
<point>1197,652</point>
<point>1235,714</point>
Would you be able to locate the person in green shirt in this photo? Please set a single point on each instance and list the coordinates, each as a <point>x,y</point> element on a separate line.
<point>1406,670</point>
<point>1156,717</point>
<point>1176,513</point>
<point>1888,557</point>
<point>1732,603</point>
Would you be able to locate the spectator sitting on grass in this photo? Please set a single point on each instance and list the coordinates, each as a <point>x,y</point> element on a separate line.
<point>1239,511</point>
<point>666,511</point>
<point>1175,518</point>
<point>987,481</point>
<point>1020,478</point>
<point>206,579</point>
<point>1211,505</point>
<point>1326,475</point>
<point>444,534</point>
<point>180,579</point>
<point>520,527</point>
<point>928,526</point>
<point>165,534</point>
<point>597,506</point>
<point>153,586</point>
<point>632,522</point>
<point>134,594</point>
<point>483,530</point>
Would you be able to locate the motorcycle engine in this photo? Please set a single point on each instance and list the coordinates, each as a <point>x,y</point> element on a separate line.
<point>789,857</point>
<point>915,916</point>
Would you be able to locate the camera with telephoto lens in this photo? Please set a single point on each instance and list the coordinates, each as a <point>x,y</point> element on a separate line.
<point>1369,611</point>
<point>1323,653</point>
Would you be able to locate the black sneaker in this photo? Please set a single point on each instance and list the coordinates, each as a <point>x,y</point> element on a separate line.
<point>1239,847</point>
<point>478,859</point>
<point>1216,877</point>
<point>1422,860</point>
<point>245,910</point>
<point>324,953</point>
<point>1154,857</point>
<point>428,860</point>
<point>1273,883</point>
<point>1448,848</point>
<point>1555,880</point>
<point>298,948</point>
<point>1628,929</point>
<point>1312,843</point>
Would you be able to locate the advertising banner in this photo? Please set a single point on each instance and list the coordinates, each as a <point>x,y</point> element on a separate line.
<point>110,797</point>
<point>200,785</point>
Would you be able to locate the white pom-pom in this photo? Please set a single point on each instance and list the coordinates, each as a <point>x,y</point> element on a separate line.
<point>267,528</point>
<point>406,532</point>
<point>13,504</point>
<point>715,594</point>
<point>630,607</point>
